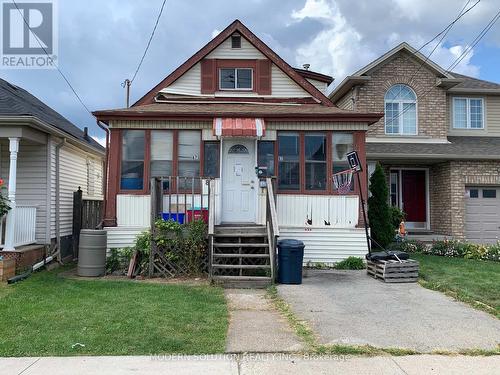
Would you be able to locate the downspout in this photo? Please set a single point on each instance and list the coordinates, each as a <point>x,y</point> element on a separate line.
<point>58,193</point>
<point>105,179</point>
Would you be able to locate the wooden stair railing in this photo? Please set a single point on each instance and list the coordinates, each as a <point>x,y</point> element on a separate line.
<point>211,224</point>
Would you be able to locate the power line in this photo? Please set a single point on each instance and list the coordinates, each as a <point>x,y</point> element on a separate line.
<point>51,60</point>
<point>459,58</point>
<point>149,41</point>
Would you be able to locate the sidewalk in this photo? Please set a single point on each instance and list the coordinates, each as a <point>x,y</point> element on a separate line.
<point>275,364</point>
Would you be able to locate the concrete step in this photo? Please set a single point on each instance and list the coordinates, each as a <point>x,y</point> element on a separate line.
<point>224,255</point>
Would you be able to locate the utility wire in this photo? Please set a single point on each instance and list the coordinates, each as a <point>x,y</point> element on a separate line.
<point>459,58</point>
<point>52,61</point>
<point>149,41</point>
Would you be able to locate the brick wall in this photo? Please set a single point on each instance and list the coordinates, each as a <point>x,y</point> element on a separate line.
<point>431,100</point>
<point>440,198</point>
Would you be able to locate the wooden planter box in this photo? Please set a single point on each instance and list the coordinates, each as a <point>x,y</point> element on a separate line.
<point>393,271</point>
<point>7,269</point>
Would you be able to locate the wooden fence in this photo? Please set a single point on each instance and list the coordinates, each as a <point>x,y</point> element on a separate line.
<point>87,214</point>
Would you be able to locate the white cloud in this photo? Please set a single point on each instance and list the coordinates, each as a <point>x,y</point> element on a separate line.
<point>100,140</point>
<point>354,35</point>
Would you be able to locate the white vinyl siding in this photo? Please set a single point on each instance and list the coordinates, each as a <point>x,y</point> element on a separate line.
<point>31,180</point>
<point>225,51</point>
<point>468,113</point>
<point>284,87</point>
<point>321,86</point>
<point>189,83</point>
<point>74,171</point>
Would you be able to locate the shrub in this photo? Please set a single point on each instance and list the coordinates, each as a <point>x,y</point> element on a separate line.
<point>459,249</point>
<point>379,214</point>
<point>350,263</point>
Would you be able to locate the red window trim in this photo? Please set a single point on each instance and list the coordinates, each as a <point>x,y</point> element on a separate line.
<point>329,161</point>
<point>147,160</point>
<point>235,64</point>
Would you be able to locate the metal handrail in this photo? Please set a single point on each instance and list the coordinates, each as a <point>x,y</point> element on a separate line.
<point>272,224</point>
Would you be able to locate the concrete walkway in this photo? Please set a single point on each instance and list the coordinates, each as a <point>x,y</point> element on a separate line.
<point>348,307</point>
<point>255,326</point>
<point>275,364</point>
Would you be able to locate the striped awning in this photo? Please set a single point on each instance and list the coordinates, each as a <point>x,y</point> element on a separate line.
<point>239,127</point>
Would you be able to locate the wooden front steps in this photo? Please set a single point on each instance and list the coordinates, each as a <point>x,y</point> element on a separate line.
<point>240,256</point>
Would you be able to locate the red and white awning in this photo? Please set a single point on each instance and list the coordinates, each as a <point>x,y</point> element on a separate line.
<point>239,127</point>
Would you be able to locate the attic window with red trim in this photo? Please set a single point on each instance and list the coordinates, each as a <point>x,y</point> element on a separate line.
<point>235,41</point>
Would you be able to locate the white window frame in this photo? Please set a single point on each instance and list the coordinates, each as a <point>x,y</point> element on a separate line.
<point>467,113</point>
<point>401,104</point>
<point>236,80</point>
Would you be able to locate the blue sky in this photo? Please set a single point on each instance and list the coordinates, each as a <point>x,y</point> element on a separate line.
<point>101,42</point>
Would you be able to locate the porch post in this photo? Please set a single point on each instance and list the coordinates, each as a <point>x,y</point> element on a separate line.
<point>10,224</point>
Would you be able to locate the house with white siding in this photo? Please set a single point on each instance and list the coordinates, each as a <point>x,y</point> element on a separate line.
<point>215,134</point>
<point>44,158</point>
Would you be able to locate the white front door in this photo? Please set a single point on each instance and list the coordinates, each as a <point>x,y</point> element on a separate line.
<point>239,181</point>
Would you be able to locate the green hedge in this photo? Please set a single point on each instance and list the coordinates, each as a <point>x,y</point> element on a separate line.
<point>451,248</point>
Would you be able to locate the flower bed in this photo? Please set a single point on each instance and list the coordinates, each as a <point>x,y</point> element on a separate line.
<point>451,248</point>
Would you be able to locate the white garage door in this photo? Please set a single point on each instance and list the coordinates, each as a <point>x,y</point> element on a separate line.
<point>482,219</point>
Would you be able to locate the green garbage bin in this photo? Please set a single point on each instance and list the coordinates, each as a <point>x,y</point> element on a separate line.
<point>290,258</point>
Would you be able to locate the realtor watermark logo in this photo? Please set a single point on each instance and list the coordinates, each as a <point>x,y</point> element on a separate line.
<point>29,34</point>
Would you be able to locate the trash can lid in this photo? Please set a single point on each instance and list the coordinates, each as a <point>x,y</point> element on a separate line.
<point>290,243</point>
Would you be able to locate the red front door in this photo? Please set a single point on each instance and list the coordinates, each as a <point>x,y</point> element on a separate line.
<point>413,194</point>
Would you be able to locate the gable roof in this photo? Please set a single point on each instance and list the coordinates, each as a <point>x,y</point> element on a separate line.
<point>236,26</point>
<point>363,74</point>
<point>16,101</point>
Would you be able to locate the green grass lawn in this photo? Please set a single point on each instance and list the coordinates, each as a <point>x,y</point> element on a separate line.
<point>476,282</point>
<point>47,314</point>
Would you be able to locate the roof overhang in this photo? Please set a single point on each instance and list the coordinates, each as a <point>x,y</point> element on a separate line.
<point>36,123</point>
<point>463,90</point>
<point>401,156</point>
<point>315,75</point>
<point>347,84</point>
<point>448,83</point>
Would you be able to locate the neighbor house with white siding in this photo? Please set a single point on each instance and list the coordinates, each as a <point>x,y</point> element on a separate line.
<point>230,119</point>
<point>44,158</point>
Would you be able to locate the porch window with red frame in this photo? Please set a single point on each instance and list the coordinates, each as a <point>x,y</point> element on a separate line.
<point>289,161</point>
<point>132,163</point>
<point>189,146</point>
<point>315,161</point>
<point>342,143</point>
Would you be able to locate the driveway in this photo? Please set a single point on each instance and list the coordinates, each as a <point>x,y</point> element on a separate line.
<point>350,308</point>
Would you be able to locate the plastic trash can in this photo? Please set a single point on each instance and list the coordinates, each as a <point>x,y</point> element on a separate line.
<point>290,258</point>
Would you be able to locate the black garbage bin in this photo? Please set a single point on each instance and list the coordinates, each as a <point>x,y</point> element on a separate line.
<point>290,257</point>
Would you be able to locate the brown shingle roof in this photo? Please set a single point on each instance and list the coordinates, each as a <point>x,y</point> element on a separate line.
<point>474,83</point>
<point>457,148</point>
<point>210,110</point>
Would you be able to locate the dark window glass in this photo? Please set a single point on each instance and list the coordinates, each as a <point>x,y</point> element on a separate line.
<point>474,193</point>
<point>132,163</point>
<point>288,159</point>
<point>343,143</point>
<point>211,159</point>
<point>394,189</point>
<point>489,193</point>
<point>244,78</point>
<point>266,157</point>
<point>227,78</point>
<point>315,159</point>
<point>235,41</point>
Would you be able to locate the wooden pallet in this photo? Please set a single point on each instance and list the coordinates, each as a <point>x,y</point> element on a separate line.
<point>393,271</point>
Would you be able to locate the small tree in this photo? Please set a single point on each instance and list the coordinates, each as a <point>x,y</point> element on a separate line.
<point>379,214</point>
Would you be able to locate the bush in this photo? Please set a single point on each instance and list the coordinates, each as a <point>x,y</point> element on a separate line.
<point>459,249</point>
<point>350,263</point>
<point>379,214</point>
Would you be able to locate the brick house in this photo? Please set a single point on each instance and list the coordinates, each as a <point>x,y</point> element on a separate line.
<point>439,142</point>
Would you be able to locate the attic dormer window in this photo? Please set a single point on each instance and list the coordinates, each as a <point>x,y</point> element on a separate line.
<point>235,41</point>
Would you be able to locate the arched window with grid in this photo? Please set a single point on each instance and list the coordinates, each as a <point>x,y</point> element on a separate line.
<point>400,110</point>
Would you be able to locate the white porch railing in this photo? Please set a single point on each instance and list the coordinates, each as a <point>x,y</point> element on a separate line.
<point>24,228</point>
